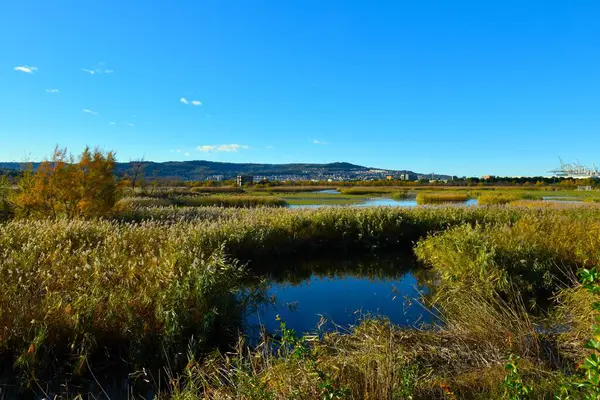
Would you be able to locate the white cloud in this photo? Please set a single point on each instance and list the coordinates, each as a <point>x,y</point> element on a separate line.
<point>52,91</point>
<point>97,71</point>
<point>25,68</point>
<point>129,124</point>
<point>319,142</point>
<point>187,154</point>
<point>87,111</point>
<point>112,123</point>
<point>269,147</point>
<point>192,102</point>
<point>179,150</point>
<point>228,148</point>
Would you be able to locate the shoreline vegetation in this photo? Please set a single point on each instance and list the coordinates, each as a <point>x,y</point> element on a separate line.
<point>149,290</point>
<point>146,284</point>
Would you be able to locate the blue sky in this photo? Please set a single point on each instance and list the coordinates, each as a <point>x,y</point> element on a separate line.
<point>459,87</point>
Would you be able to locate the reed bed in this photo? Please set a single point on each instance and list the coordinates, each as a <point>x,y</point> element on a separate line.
<point>441,197</point>
<point>496,199</point>
<point>402,195</point>
<point>358,190</point>
<point>73,291</point>
<point>136,202</point>
<point>292,189</point>
<point>535,252</point>
<point>234,201</point>
<point>228,201</point>
<point>216,189</point>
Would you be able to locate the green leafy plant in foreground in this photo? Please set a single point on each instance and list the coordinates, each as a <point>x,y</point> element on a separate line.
<point>514,388</point>
<point>299,348</point>
<point>589,382</point>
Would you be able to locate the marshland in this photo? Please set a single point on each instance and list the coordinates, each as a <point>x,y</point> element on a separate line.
<point>109,291</point>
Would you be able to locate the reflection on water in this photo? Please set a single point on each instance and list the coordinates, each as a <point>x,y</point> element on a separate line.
<point>328,191</point>
<point>562,199</point>
<point>383,202</point>
<point>329,292</point>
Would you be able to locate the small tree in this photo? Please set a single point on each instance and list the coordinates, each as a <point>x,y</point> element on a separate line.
<point>65,187</point>
<point>137,173</point>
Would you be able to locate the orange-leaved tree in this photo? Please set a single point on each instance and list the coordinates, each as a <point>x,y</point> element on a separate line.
<point>67,187</point>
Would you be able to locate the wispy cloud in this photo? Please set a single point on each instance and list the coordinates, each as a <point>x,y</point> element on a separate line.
<point>192,102</point>
<point>269,147</point>
<point>319,142</point>
<point>187,154</point>
<point>52,91</point>
<point>228,148</point>
<point>88,111</point>
<point>25,68</point>
<point>129,124</point>
<point>97,71</point>
<point>112,123</point>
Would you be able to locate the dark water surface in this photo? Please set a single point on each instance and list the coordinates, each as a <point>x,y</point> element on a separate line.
<point>331,293</point>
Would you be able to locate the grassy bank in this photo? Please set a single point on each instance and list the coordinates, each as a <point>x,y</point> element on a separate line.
<point>73,291</point>
<point>483,271</point>
<point>439,197</point>
<point>216,189</point>
<point>233,201</point>
<point>99,282</point>
<point>240,201</point>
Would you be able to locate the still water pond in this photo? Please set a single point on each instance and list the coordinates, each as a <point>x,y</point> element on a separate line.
<point>335,294</point>
<point>383,202</point>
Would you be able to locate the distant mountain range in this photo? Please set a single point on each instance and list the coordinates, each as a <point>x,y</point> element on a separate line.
<point>200,170</point>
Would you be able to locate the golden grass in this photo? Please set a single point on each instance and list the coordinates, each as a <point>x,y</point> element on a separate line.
<point>71,289</point>
<point>495,199</point>
<point>439,197</point>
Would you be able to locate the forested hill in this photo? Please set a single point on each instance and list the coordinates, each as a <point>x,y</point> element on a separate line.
<point>198,170</point>
<point>192,170</point>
